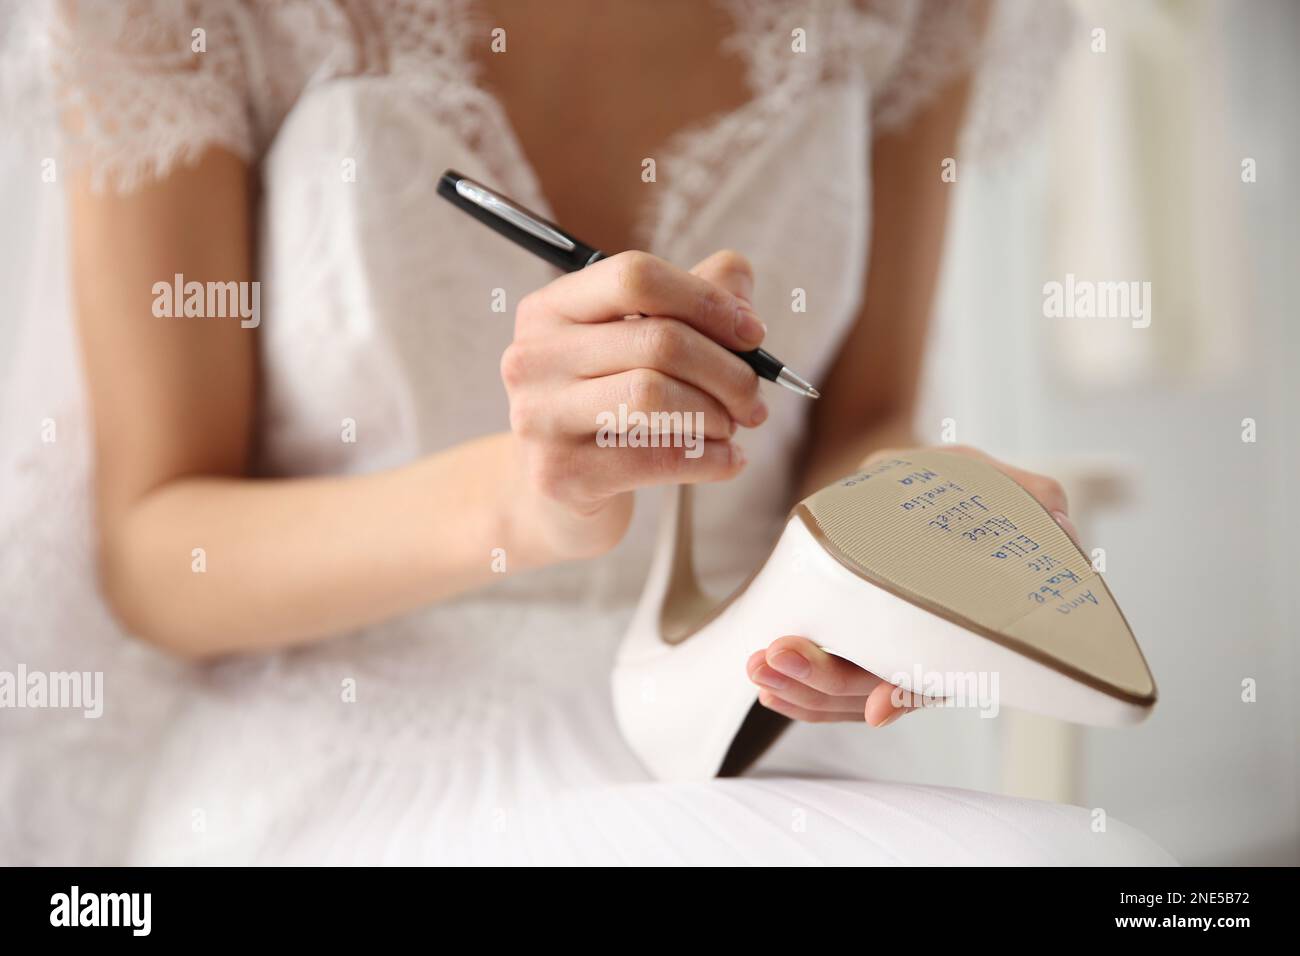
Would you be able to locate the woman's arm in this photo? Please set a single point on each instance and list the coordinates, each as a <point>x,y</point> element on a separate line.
<point>291,560</point>
<point>869,396</point>
<point>173,402</point>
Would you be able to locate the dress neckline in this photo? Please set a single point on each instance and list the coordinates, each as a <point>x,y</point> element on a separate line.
<point>693,162</point>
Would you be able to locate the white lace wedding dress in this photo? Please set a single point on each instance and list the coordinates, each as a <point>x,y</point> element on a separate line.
<point>480,729</point>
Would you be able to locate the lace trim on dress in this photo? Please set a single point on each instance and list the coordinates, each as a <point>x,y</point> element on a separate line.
<point>1012,60</point>
<point>944,42</point>
<point>141,86</point>
<point>1025,42</point>
<point>449,77</point>
<point>789,50</point>
<point>135,97</point>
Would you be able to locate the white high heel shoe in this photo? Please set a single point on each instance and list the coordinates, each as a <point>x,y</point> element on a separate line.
<point>931,570</point>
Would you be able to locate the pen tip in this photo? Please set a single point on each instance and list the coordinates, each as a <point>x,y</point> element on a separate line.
<point>796,383</point>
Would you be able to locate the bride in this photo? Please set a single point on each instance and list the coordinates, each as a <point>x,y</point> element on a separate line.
<point>355,574</point>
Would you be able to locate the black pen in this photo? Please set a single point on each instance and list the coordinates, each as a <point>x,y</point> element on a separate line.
<point>550,242</point>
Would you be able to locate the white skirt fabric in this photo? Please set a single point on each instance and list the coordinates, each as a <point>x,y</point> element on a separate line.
<point>784,821</point>
<point>379,751</point>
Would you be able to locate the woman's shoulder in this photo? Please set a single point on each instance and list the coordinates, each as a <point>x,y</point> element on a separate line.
<point>134,87</point>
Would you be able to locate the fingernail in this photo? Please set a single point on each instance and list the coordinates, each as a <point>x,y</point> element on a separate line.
<point>765,677</point>
<point>760,414</point>
<point>890,719</point>
<point>791,664</point>
<point>1066,525</point>
<point>737,454</point>
<point>749,329</point>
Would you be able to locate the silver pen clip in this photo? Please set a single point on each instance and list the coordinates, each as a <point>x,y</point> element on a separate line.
<point>485,198</point>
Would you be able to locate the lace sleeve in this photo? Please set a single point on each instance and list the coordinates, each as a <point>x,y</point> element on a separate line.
<point>138,86</point>
<point>1012,57</point>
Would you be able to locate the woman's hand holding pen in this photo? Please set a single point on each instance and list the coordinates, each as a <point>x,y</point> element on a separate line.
<point>574,361</point>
